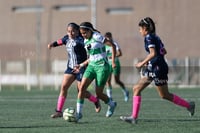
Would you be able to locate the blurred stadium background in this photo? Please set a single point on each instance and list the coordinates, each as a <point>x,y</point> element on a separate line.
<point>27,26</point>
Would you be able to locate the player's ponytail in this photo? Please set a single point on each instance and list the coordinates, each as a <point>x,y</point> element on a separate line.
<point>149,24</point>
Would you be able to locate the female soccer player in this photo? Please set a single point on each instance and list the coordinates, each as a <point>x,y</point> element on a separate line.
<point>156,70</point>
<point>97,67</point>
<point>116,70</point>
<point>76,54</point>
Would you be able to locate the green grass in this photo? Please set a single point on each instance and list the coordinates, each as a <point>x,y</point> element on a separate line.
<point>29,112</point>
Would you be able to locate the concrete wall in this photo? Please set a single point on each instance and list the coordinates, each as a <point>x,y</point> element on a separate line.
<point>177,23</point>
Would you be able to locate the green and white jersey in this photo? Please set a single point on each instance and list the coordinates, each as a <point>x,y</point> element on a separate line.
<point>96,49</point>
<point>109,51</point>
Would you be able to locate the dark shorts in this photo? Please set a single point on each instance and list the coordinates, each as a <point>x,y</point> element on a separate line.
<point>158,74</point>
<point>77,75</point>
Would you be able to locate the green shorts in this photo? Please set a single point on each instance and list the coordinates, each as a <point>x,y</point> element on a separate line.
<point>99,73</point>
<point>117,69</point>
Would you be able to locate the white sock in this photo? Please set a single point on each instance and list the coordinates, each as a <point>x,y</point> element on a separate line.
<point>109,92</point>
<point>79,108</point>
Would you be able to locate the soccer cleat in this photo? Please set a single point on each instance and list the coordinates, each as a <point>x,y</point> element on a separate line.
<point>78,116</point>
<point>97,106</point>
<point>126,96</point>
<point>57,114</point>
<point>129,119</point>
<point>191,109</point>
<point>111,109</point>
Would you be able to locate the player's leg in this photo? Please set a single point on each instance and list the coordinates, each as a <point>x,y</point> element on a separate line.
<point>85,82</point>
<point>111,104</point>
<point>88,95</point>
<point>117,72</point>
<point>121,84</point>
<point>108,83</point>
<point>102,74</point>
<point>94,100</point>
<point>68,79</point>
<point>137,89</point>
<point>165,94</point>
<point>109,86</point>
<point>161,81</point>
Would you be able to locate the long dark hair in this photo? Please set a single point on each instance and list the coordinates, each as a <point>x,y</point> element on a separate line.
<point>149,24</point>
<point>88,26</point>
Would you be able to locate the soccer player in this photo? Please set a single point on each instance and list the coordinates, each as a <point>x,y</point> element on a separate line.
<point>116,70</point>
<point>156,69</point>
<point>97,67</point>
<point>76,54</point>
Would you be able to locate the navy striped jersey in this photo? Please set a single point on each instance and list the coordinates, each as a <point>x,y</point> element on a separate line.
<point>153,41</point>
<point>76,50</point>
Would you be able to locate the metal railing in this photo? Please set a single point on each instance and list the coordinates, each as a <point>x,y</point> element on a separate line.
<point>182,72</point>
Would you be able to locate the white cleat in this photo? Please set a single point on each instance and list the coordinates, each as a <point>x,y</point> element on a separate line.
<point>129,119</point>
<point>111,110</point>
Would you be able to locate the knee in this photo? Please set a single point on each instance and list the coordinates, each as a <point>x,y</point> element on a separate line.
<point>99,92</point>
<point>64,88</point>
<point>163,97</point>
<point>98,95</point>
<point>117,81</point>
<point>136,90</point>
<point>166,97</point>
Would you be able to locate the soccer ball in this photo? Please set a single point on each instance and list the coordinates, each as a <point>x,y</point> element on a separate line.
<point>69,114</point>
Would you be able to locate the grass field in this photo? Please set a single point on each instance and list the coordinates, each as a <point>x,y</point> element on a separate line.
<point>29,112</point>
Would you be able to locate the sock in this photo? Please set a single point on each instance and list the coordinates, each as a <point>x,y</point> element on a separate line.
<point>110,102</point>
<point>124,90</point>
<point>79,106</point>
<point>179,101</point>
<point>92,99</point>
<point>136,106</point>
<point>109,92</point>
<point>60,103</point>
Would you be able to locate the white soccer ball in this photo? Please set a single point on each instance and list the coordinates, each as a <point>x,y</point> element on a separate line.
<point>69,114</point>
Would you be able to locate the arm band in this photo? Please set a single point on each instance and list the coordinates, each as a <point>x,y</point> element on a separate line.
<point>55,44</point>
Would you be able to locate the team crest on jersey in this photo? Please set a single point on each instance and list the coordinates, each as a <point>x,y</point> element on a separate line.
<point>88,46</point>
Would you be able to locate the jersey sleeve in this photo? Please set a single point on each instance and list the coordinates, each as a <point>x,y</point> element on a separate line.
<point>150,41</point>
<point>62,40</point>
<point>98,37</point>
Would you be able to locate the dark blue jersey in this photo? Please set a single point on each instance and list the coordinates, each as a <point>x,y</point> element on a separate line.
<point>76,50</point>
<point>157,68</point>
<point>153,41</point>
